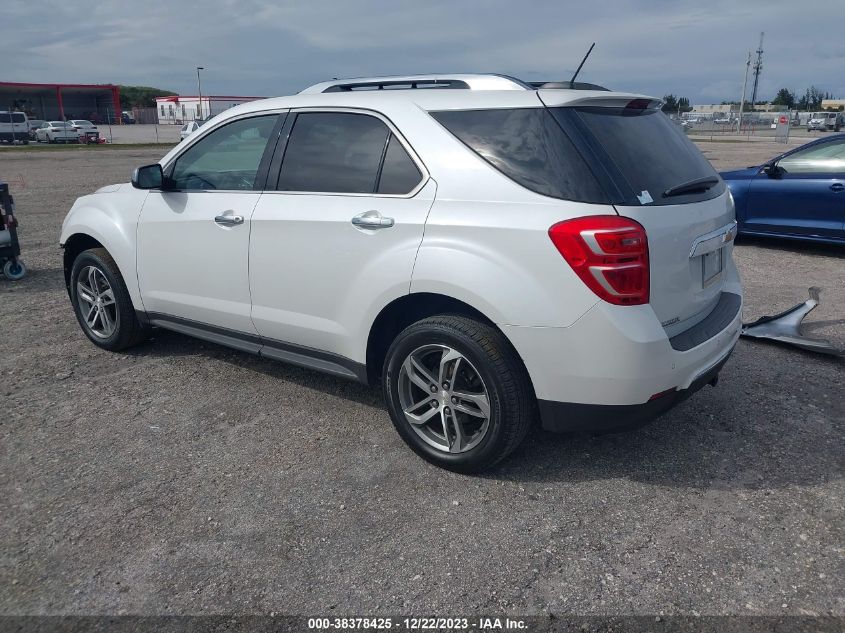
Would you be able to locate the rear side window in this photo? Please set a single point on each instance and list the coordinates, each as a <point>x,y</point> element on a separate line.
<point>528,146</point>
<point>643,152</point>
<point>399,174</point>
<point>18,117</point>
<point>333,152</point>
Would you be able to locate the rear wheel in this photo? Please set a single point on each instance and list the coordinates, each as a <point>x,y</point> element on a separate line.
<point>101,302</point>
<point>457,392</point>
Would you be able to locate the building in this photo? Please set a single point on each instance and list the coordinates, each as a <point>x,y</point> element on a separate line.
<point>96,102</point>
<point>833,104</point>
<point>178,109</point>
<point>733,108</point>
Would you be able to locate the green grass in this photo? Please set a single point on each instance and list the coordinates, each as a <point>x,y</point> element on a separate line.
<point>40,147</point>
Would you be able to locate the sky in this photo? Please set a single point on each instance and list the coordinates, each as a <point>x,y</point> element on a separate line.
<point>265,48</point>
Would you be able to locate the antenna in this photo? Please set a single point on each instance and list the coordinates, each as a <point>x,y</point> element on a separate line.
<point>758,68</point>
<point>572,81</point>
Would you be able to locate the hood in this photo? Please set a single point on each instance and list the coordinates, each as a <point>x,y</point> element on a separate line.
<point>741,174</point>
<point>113,188</point>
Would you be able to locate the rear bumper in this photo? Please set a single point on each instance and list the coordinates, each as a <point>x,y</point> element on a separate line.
<point>567,417</point>
<point>602,372</point>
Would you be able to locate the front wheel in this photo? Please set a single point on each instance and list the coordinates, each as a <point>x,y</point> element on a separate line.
<point>457,392</point>
<point>101,302</point>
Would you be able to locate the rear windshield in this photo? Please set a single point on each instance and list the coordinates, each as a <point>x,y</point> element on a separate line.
<point>644,153</point>
<point>587,154</point>
<point>17,117</point>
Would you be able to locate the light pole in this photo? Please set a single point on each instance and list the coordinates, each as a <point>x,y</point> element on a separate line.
<point>199,91</point>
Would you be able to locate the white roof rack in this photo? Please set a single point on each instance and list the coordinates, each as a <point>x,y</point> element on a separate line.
<point>407,82</point>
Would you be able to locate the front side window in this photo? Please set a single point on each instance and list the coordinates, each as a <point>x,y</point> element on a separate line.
<point>333,152</point>
<point>226,159</point>
<point>823,158</point>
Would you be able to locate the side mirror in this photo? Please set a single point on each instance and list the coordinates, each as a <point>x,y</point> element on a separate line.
<point>148,177</point>
<point>772,170</point>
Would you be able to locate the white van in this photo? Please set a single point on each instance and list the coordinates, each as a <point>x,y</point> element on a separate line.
<point>822,121</point>
<point>14,127</point>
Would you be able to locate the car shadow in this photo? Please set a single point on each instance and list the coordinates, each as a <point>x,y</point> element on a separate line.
<point>720,439</point>
<point>169,344</point>
<point>796,246</point>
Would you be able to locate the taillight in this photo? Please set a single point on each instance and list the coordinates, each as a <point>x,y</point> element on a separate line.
<point>609,253</point>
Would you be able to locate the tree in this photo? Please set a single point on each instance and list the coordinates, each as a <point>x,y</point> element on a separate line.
<point>673,104</point>
<point>784,98</point>
<point>670,103</point>
<point>141,96</point>
<point>811,100</point>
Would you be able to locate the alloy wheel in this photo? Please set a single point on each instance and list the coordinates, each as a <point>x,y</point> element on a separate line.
<point>444,398</point>
<point>97,305</point>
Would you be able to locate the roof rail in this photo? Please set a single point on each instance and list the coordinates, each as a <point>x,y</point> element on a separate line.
<point>407,82</point>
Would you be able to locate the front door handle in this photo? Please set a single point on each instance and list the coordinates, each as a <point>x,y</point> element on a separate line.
<point>227,219</point>
<point>837,186</point>
<point>372,220</point>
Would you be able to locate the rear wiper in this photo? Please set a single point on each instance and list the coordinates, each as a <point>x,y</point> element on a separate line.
<point>699,184</point>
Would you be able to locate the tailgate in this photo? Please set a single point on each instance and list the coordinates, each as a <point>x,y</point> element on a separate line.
<point>655,175</point>
<point>689,247</point>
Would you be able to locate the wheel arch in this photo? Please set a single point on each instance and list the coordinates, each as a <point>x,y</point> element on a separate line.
<point>73,246</point>
<point>408,309</point>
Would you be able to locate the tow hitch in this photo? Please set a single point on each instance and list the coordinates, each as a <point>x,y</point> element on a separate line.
<point>786,328</point>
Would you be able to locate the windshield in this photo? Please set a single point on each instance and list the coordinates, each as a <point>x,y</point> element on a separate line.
<point>642,154</point>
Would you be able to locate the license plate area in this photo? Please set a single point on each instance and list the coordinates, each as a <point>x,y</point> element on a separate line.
<point>711,267</point>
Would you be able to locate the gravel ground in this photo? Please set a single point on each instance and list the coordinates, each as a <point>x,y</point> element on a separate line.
<point>184,478</point>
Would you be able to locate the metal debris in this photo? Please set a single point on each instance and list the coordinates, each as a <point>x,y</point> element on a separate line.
<point>786,328</point>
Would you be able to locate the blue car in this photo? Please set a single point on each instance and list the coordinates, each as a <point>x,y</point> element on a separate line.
<point>797,195</point>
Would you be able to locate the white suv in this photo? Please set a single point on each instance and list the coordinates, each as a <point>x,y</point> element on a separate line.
<point>490,251</point>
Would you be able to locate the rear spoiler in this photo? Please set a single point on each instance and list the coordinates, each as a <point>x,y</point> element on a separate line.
<point>600,99</point>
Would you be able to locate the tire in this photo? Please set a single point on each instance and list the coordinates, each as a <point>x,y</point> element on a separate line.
<point>14,270</point>
<point>490,376</point>
<point>126,330</point>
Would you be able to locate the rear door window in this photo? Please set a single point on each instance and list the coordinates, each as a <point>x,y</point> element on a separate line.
<point>643,152</point>
<point>333,152</point>
<point>528,146</point>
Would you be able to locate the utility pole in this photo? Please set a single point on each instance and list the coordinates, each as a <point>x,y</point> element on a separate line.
<point>744,87</point>
<point>758,68</point>
<point>199,92</point>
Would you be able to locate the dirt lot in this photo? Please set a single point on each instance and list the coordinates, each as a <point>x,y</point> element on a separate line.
<point>184,478</point>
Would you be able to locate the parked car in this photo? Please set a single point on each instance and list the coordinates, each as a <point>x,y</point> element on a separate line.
<point>34,124</point>
<point>56,132</point>
<point>797,195</point>
<point>456,246</point>
<point>14,127</point>
<point>127,118</point>
<point>86,130</point>
<point>189,128</point>
<point>823,121</point>
<point>723,120</point>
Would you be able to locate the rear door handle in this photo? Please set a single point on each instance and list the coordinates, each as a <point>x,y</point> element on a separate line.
<point>372,220</point>
<point>228,219</point>
<point>837,186</point>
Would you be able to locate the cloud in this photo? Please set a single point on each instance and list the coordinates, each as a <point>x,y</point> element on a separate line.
<point>260,47</point>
